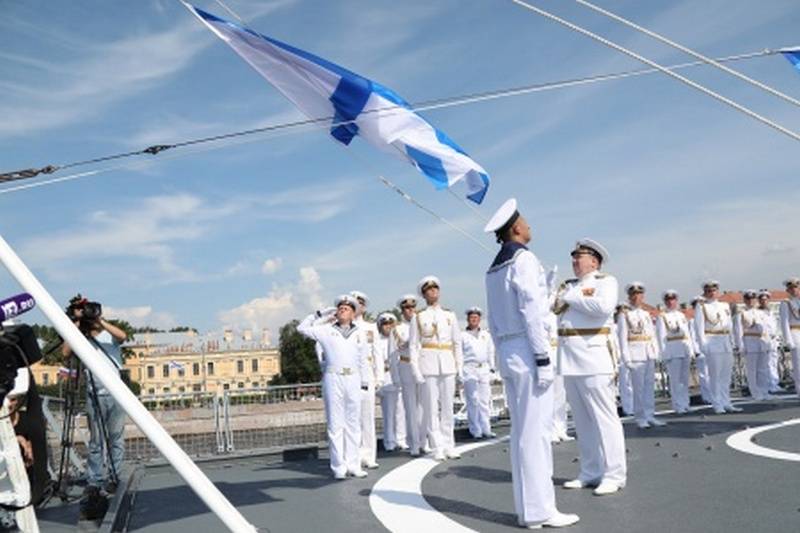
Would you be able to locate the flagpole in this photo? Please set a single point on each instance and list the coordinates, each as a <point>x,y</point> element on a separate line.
<point>687,81</point>
<point>691,52</point>
<point>190,472</point>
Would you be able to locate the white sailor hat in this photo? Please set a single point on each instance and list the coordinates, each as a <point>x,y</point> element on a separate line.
<point>358,295</point>
<point>669,293</point>
<point>346,299</point>
<point>764,293</point>
<point>474,310</point>
<point>593,247</point>
<point>792,282</point>
<point>710,283</point>
<point>386,317</point>
<point>749,293</point>
<point>407,299</point>
<point>503,218</point>
<point>634,286</point>
<point>426,282</point>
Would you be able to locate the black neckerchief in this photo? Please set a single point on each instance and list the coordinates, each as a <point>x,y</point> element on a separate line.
<point>345,332</point>
<point>507,253</point>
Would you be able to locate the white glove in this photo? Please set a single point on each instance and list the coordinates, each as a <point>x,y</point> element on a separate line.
<point>545,375</point>
<point>328,311</point>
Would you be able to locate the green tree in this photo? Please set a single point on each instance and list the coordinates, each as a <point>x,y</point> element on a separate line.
<point>298,357</point>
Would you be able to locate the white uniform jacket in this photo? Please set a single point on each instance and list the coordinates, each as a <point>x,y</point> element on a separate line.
<point>398,347</point>
<point>585,309</point>
<point>714,327</point>
<point>478,349</point>
<point>345,350</point>
<point>674,336</point>
<point>790,322</point>
<point>637,336</point>
<point>517,302</point>
<point>753,331</point>
<point>382,350</point>
<point>435,341</point>
<point>375,357</point>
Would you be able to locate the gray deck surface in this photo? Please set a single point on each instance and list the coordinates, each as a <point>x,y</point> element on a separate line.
<point>682,477</point>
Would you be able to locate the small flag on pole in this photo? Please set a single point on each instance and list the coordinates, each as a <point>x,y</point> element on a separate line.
<point>174,364</point>
<point>357,105</point>
<point>793,55</point>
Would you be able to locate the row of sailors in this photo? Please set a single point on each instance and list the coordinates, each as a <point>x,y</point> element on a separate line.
<point>709,337</point>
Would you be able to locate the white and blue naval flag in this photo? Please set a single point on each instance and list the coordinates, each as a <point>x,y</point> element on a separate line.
<point>357,105</point>
<point>793,55</point>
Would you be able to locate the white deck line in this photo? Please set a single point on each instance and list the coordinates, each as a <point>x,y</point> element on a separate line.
<point>743,442</point>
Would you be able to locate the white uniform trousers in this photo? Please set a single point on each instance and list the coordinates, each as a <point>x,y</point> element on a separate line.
<point>678,369</point>
<point>394,424</point>
<point>530,408</point>
<point>342,397</point>
<point>437,411</point>
<point>411,406</point>
<point>774,376</point>
<point>756,366</point>
<point>642,375</point>
<point>625,389</point>
<point>369,441</point>
<point>720,367</point>
<point>601,440</point>
<point>559,409</point>
<point>703,377</point>
<point>478,396</point>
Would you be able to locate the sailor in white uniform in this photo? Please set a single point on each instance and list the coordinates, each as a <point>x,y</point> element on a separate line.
<point>699,356</point>
<point>435,342</point>
<point>479,366</point>
<point>714,327</point>
<point>516,292</point>
<point>344,377</point>
<point>773,334</point>
<point>560,405</point>
<point>677,349</point>
<point>754,343</point>
<point>790,327</point>
<point>639,353</point>
<point>624,383</point>
<point>411,378</point>
<point>369,439</point>
<point>394,422</point>
<point>587,360</point>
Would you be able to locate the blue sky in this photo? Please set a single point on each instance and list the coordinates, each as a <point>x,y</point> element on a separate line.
<point>677,186</point>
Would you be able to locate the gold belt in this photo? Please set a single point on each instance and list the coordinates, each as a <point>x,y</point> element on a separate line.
<point>722,332</point>
<point>405,359</point>
<point>435,346</point>
<point>639,338</point>
<point>794,326</point>
<point>342,371</point>
<point>582,332</point>
<point>752,335</point>
<point>677,338</point>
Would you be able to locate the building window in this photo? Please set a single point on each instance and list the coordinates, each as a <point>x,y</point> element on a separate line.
<point>256,384</point>
<point>239,366</point>
<point>197,387</point>
<point>226,386</point>
<point>151,371</point>
<point>166,390</point>
<point>241,385</point>
<point>254,365</point>
<point>151,391</point>
<point>181,372</point>
<point>210,369</point>
<point>165,371</point>
<point>181,389</point>
<point>195,369</point>
<point>45,379</point>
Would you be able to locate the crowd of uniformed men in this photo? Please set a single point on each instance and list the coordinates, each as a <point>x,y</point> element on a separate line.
<point>553,345</point>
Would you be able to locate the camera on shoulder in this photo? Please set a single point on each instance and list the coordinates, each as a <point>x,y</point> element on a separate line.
<point>85,312</point>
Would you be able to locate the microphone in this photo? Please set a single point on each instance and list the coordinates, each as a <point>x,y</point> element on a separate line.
<point>16,305</point>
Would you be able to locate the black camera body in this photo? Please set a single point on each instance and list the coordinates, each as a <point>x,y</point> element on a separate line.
<point>18,349</point>
<point>89,313</point>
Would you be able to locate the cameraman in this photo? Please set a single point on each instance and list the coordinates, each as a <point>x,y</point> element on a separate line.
<point>108,339</point>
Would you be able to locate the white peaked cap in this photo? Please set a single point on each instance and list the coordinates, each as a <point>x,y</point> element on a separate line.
<point>636,286</point>
<point>358,295</point>
<point>502,216</point>
<point>427,280</point>
<point>386,317</point>
<point>669,293</point>
<point>593,245</point>
<point>406,298</point>
<point>474,309</point>
<point>346,299</point>
<point>711,283</point>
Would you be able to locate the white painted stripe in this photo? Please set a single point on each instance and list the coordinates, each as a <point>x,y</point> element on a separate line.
<point>743,442</point>
<point>397,500</point>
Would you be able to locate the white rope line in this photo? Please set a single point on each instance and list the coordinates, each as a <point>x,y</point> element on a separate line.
<point>661,68</point>
<point>691,52</point>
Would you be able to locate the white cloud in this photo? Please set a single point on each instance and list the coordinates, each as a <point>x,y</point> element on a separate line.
<point>280,305</point>
<point>271,266</point>
<point>141,316</point>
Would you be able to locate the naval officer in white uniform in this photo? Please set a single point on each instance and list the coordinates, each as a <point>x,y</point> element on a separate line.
<point>587,360</point>
<point>752,330</point>
<point>394,422</point>
<point>790,327</point>
<point>479,366</point>
<point>516,292</point>
<point>677,349</point>
<point>369,439</point>
<point>411,378</point>
<point>435,343</point>
<point>344,378</point>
